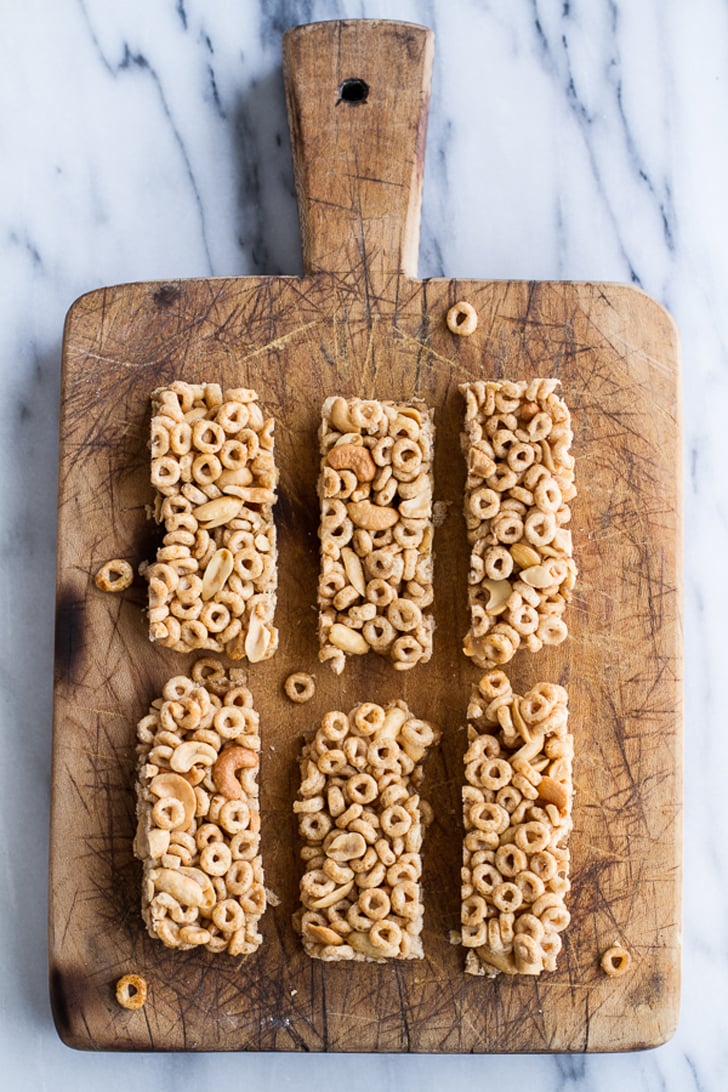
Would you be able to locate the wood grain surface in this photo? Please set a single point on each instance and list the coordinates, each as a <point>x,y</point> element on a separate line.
<point>360,323</point>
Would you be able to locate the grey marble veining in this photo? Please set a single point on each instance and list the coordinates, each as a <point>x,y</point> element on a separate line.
<point>578,139</point>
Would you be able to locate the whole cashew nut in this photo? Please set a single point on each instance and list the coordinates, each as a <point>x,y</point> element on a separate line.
<point>353,457</point>
<point>190,753</point>
<point>229,762</point>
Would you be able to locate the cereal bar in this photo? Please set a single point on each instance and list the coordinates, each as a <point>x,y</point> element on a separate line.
<point>520,479</point>
<point>213,584</point>
<point>198,831</point>
<point>375,488</point>
<point>361,823</point>
<point>517,801</point>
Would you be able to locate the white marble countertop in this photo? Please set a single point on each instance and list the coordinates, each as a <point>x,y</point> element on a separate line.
<point>575,139</point>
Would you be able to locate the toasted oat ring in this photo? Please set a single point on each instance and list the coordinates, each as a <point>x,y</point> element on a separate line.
<point>131,991</point>
<point>239,877</point>
<point>386,937</point>
<point>615,961</point>
<point>228,915</point>
<point>215,859</point>
<point>115,576</point>
<point>300,687</point>
<point>462,319</point>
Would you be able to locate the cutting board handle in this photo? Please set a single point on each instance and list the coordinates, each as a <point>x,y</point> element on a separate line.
<point>358,94</point>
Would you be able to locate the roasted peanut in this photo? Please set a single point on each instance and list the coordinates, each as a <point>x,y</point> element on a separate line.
<point>218,570</point>
<point>346,846</point>
<point>157,841</point>
<point>536,576</point>
<point>190,887</point>
<point>524,555</point>
<point>251,494</point>
<point>353,569</point>
<point>372,517</point>
<point>418,507</point>
<point>257,640</point>
<point>218,511</point>
<point>323,934</point>
<point>347,639</point>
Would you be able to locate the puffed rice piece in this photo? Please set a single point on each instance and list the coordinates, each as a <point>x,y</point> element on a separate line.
<point>375,488</point>
<point>361,822</point>
<point>198,816</point>
<point>520,480</point>
<point>213,585</point>
<point>517,810</point>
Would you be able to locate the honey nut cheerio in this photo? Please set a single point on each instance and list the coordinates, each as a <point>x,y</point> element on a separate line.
<point>462,319</point>
<point>131,992</point>
<point>517,804</point>
<point>520,480</point>
<point>616,961</point>
<point>198,830</point>
<point>213,584</point>
<point>114,576</point>
<point>375,489</point>
<point>361,823</point>
<point>300,687</point>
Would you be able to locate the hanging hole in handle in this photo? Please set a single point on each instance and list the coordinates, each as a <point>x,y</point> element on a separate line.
<point>353,91</point>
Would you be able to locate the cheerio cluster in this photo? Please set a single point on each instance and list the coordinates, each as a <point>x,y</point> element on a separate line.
<point>198,831</point>
<point>520,479</point>
<point>213,584</point>
<point>375,488</point>
<point>517,801</point>
<point>361,823</point>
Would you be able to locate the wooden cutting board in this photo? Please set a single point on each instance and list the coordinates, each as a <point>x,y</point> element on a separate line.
<point>360,323</point>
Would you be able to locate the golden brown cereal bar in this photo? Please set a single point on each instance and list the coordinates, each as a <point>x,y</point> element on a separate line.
<point>517,802</point>
<point>375,488</point>
<point>213,584</point>
<point>361,822</point>
<point>519,484</point>
<point>198,831</point>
